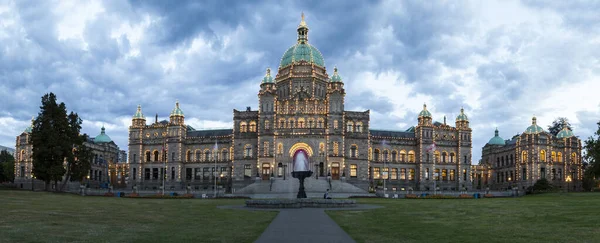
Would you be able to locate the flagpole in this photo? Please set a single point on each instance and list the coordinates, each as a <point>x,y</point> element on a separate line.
<point>164,168</point>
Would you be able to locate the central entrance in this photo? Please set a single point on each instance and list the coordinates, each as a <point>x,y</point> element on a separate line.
<point>335,171</point>
<point>266,171</point>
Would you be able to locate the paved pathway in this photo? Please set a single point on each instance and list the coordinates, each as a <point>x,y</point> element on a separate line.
<point>303,225</point>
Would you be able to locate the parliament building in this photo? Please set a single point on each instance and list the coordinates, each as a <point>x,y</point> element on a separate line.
<point>301,107</point>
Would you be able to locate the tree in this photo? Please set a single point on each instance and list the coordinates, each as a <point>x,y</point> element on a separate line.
<point>80,166</point>
<point>7,167</point>
<point>558,124</point>
<point>52,140</point>
<point>542,185</point>
<point>592,153</point>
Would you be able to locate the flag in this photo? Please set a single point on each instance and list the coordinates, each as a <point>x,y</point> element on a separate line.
<point>216,147</point>
<point>431,147</point>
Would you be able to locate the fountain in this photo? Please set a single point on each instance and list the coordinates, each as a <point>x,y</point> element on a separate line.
<point>300,170</point>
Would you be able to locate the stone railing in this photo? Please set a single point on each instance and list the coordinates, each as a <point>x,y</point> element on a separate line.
<point>300,203</point>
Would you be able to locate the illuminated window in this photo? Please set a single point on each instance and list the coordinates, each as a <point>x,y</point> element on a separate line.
<point>543,155</point>
<point>301,122</point>
<point>321,149</point>
<point>281,123</point>
<point>444,174</point>
<point>436,174</point>
<point>353,170</point>
<point>188,156</point>
<point>573,157</point>
<point>353,151</point>
<point>559,157</point>
<point>376,155</point>
<point>280,149</point>
<point>266,125</point>
<point>394,174</point>
<point>320,123</point>
<point>553,157</point>
<point>444,155</point>
<point>335,124</point>
<point>411,174</point>
<point>411,156</point>
<point>386,155</point>
<point>452,175</point>
<point>252,126</point>
<point>335,148</point>
<point>243,127</point>
<point>402,174</point>
<point>359,127</point>
<point>436,156</point>
<point>247,171</point>
<point>394,156</point>
<point>524,157</point>
<point>266,148</point>
<point>376,174</point>
<point>403,156</point>
<point>385,173</point>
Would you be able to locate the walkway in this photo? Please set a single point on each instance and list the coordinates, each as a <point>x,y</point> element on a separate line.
<point>303,225</point>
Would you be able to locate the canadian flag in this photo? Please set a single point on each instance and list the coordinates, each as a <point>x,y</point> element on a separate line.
<point>431,147</point>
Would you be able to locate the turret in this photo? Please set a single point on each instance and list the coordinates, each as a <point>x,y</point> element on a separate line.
<point>424,116</point>
<point>176,117</point>
<point>462,121</point>
<point>138,119</point>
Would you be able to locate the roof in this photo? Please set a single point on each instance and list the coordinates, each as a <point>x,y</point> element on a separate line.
<point>395,134</point>
<point>302,51</point>
<point>496,140</point>
<point>177,111</point>
<point>102,137</point>
<point>210,133</point>
<point>138,114</point>
<point>565,133</point>
<point>534,128</point>
<point>268,78</point>
<point>462,116</point>
<point>425,112</point>
<point>336,76</point>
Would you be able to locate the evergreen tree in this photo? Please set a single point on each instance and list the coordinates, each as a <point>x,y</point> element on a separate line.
<point>557,125</point>
<point>51,139</point>
<point>7,167</point>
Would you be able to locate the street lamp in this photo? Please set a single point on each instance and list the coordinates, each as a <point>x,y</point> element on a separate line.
<point>317,170</point>
<point>284,171</point>
<point>568,182</point>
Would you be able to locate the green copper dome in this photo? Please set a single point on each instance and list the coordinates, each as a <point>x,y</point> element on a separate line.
<point>336,76</point>
<point>534,128</point>
<point>496,140</point>
<point>177,111</point>
<point>268,78</point>
<point>425,112</point>
<point>102,137</point>
<point>138,114</point>
<point>565,133</point>
<point>462,116</point>
<point>302,51</point>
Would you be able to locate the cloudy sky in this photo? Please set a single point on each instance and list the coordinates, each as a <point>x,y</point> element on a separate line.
<point>502,61</point>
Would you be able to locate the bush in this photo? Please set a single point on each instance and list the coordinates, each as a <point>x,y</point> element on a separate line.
<point>488,195</point>
<point>439,196</point>
<point>133,195</point>
<point>542,185</point>
<point>109,194</point>
<point>465,196</point>
<point>411,196</point>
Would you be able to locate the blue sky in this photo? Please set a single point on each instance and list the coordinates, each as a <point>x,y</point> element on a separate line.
<point>503,61</point>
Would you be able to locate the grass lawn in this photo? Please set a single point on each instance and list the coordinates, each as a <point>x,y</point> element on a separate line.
<point>49,217</point>
<point>572,217</point>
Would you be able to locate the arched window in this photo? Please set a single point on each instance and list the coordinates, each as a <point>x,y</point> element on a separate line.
<point>543,155</point>
<point>376,155</point>
<point>394,156</point>
<point>266,151</point>
<point>188,156</point>
<point>267,125</point>
<point>386,155</point>
<point>224,155</point>
<point>444,155</point>
<point>349,126</point>
<point>353,151</point>
<point>321,149</point>
<point>452,157</point>
<point>335,124</point>
<point>524,157</point>
<point>155,155</point>
<point>336,148</point>
<point>281,123</point>
<point>553,156</point>
<point>291,123</point>
<point>301,122</point>
<point>148,156</point>
<point>359,126</point>
<point>22,156</point>
<point>559,157</point>
<point>437,156</point>
<point>198,155</point>
<point>206,155</point>
<point>320,123</point>
<point>248,151</point>
<point>574,157</point>
<point>411,156</point>
<point>252,126</point>
<point>243,127</point>
<point>402,156</point>
<point>280,149</point>
<point>311,123</point>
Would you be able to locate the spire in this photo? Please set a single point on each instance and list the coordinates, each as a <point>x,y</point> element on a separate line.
<point>425,112</point>
<point>156,118</point>
<point>336,76</point>
<point>496,132</point>
<point>534,120</point>
<point>177,111</point>
<point>268,78</point>
<point>102,129</point>
<point>444,120</point>
<point>138,114</point>
<point>302,31</point>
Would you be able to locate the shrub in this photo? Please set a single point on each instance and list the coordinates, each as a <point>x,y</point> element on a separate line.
<point>109,194</point>
<point>411,196</point>
<point>439,196</point>
<point>465,196</point>
<point>488,195</point>
<point>133,195</point>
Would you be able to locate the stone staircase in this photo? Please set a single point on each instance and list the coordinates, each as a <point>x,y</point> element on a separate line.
<point>291,185</point>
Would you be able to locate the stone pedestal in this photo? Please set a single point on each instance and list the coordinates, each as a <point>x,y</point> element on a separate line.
<point>301,175</point>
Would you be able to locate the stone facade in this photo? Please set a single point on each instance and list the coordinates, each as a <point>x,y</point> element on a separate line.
<point>301,108</point>
<point>525,158</point>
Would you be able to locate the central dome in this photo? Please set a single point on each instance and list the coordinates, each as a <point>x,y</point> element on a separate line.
<point>302,51</point>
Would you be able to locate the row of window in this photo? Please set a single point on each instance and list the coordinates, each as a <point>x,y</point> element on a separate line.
<point>382,173</point>
<point>554,156</point>
<point>190,173</point>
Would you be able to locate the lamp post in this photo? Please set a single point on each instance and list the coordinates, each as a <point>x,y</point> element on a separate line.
<point>568,182</point>
<point>317,170</point>
<point>32,177</point>
<point>284,171</point>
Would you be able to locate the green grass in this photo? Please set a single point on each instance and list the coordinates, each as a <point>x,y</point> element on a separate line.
<point>573,217</point>
<point>48,217</point>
